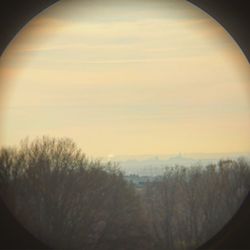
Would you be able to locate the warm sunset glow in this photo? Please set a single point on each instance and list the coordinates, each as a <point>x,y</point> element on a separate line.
<point>127,77</point>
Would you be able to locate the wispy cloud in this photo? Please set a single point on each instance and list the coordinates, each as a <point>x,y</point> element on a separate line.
<point>125,74</point>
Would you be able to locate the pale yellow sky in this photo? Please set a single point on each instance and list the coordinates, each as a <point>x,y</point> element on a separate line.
<point>127,77</point>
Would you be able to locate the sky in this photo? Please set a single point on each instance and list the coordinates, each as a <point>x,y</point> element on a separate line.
<point>127,78</point>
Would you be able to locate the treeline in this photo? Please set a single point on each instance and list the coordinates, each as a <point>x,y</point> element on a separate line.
<point>69,201</point>
<point>190,205</point>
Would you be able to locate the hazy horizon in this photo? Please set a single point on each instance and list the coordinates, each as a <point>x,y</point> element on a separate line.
<point>195,155</point>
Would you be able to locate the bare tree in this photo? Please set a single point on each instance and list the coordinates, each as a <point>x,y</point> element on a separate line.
<point>69,201</point>
<point>187,206</point>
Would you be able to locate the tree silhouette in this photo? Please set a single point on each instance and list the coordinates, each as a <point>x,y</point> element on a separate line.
<point>69,201</point>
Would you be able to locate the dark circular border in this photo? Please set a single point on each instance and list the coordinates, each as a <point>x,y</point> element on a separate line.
<point>232,15</point>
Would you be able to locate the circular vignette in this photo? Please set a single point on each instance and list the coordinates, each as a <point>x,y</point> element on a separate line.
<point>49,5</point>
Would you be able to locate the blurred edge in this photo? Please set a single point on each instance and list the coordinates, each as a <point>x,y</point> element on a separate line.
<point>235,234</point>
<point>232,15</point>
<point>14,14</point>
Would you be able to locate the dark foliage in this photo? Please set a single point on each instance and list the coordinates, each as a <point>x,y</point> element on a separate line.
<point>69,201</point>
<point>190,205</point>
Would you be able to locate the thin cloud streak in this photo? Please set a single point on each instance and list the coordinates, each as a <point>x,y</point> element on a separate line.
<point>145,80</point>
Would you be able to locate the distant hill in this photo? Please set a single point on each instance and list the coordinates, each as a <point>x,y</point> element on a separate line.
<point>155,165</point>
